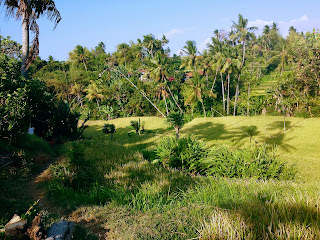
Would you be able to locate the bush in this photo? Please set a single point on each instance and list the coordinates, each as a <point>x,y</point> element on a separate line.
<point>182,153</point>
<point>301,114</point>
<point>315,111</point>
<point>190,155</point>
<point>255,162</point>
<point>109,128</point>
<point>14,115</point>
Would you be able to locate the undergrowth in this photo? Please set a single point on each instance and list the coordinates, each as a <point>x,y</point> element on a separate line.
<point>113,187</point>
<point>189,154</point>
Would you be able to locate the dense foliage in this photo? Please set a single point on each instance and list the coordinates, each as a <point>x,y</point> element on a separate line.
<point>31,103</point>
<point>190,155</point>
<point>224,79</point>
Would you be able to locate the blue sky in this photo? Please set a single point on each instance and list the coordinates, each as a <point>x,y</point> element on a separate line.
<point>89,22</point>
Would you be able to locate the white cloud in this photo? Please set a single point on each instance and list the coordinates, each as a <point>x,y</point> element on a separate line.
<point>303,23</point>
<point>176,31</point>
<point>259,23</point>
<point>173,32</point>
<point>203,45</point>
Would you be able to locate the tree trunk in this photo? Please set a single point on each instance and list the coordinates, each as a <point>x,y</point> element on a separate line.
<point>243,53</point>
<point>248,102</point>
<point>228,96</point>
<point>98,104</point>
<point>174,99</point>
<point>124,56</point>
<point>177,132</point>
<point>284,119</point>
<point>223,98</point>
<point>236,96</point>
<point>204,110</point>
<point>214,81</point>
<point>85,66</point>
<point>165,101</point>
<point>25,45</point>
<point>207,78</point>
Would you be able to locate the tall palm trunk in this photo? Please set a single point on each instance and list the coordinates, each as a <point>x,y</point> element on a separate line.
<point>204,109</point>
<point>25,45</point>
<point>124,56</point>
<point>223,97</point>
<point>248,101</point>
<point>207,77</point>
<point>174,99</point>
<point>228,96</point>
<point>243,52</point>
<point>98,104</point>
<point>214,81</point>
<point>85,66</point>
<point>238,83</point>
<point>236,96</point>
<point>165,102</point>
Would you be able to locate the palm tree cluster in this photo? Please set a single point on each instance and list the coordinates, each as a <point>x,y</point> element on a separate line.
<point>223,79</point>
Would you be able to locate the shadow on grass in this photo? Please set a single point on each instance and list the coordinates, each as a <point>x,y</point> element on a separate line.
<point>279,138</point>
<point>209,131</point>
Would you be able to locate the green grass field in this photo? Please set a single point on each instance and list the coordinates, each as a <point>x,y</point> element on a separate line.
<point>114,192</point>
<point>299,144</point>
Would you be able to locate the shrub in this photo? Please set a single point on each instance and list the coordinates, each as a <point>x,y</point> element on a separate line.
<point>255,162</point>
<point>14,115</point>
<point>183,153</point>
<point>109,128</point>
<point>137,126</point>
<point>177,121</point>
<point>190,155</point>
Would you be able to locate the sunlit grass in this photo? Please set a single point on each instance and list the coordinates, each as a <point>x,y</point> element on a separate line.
<point>299,144</point>
<point>131,198</point>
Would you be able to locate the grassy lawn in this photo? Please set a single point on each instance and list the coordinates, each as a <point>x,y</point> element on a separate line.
<point>298,145</point>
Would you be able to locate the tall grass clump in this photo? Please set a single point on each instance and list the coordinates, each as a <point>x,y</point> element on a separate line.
<point>182,153</point>
<point>258,162</point>
<point>190,155</point>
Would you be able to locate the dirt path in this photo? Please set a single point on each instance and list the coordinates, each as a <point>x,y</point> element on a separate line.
<point>38,193</point>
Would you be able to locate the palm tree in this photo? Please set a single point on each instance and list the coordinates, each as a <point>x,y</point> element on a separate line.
<point>76,90</point>
<point>149,42</point>
<point>194,90</point>
<point>191,50</point>
<point>123,48</point>
<point>162,92</point>
<point>283,56</point>
<point>243,33</point>
<point>94,92</point>
<point>159,70</point>
<point>231,65</point>
<point>28,11</point>
<point>80,55</point>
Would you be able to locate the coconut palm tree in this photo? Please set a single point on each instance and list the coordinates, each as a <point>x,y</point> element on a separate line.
<point>193,91</point>
<point>230,65</point>
<point>191,50</point>
<point>28,11</point>
<point>80,55</point>
<point>94,92</point>
<point>123,48</point>
<point>243,33</point>
<point>76,90</point>
<point>159,71</point>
